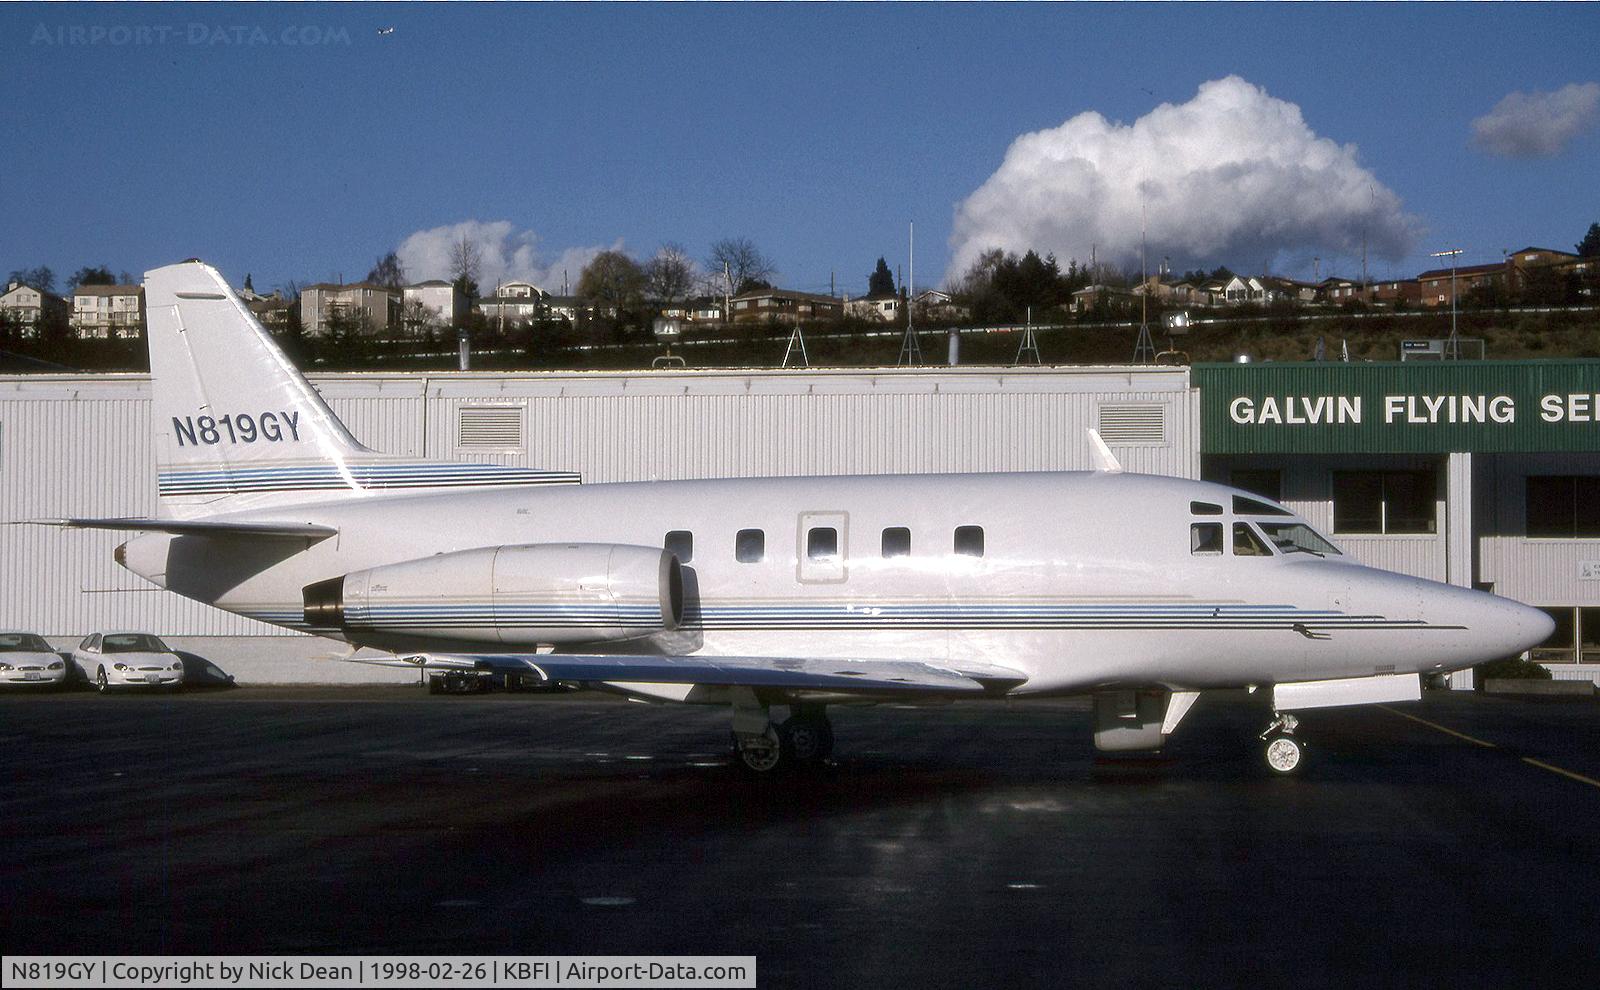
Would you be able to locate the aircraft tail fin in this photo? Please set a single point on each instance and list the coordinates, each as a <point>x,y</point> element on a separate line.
<point>235,420</point>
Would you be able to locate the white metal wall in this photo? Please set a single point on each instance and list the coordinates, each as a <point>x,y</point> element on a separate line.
<point>1536,571</point>
<point>74,446</point>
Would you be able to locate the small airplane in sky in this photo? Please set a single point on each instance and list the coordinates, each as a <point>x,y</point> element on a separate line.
<point>754,594</point>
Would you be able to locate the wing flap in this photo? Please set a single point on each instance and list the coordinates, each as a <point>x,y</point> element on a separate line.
<point>199,527</point>
<point>906,677</point>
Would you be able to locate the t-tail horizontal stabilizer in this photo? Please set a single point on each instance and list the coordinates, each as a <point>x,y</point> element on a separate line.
<point>198,527</point>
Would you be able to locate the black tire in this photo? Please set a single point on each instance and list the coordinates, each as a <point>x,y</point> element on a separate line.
<point>762,763</point>
<point>101,683</point>
<point>808,738</point>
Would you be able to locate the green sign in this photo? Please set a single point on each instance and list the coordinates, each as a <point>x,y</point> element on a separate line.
<point>1399,407</point>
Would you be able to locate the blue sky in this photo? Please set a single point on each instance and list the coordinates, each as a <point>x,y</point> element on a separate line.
<point>817,131</point>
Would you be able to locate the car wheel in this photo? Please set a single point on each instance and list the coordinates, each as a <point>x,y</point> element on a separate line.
<point>100,683</point>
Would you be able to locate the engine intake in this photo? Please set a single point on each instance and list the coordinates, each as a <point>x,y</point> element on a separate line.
<point>556,593</point>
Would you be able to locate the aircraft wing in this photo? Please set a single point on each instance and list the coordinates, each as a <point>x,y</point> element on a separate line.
<point>910,677</point>
<point>199,527</point>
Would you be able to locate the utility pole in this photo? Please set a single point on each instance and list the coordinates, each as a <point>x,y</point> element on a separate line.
<point>1144,349</point>
<point>1452,347</point>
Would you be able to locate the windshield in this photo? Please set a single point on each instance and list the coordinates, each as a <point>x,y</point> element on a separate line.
<point>23,643</point>
<point>133,643</point>
<point>1296,538</point>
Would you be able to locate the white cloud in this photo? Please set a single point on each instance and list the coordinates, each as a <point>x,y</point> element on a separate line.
<point>508,255</point>
<point>1233,176</point>
<point>1538,125</point>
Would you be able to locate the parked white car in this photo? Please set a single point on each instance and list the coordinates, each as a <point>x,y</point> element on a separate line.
<point>26,659</point>
<point>127,659</point>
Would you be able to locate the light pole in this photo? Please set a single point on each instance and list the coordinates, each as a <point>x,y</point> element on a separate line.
<point>1452,347</point>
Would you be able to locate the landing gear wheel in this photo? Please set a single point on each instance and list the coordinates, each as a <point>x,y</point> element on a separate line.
<point>101,684</point>
<point>807,737</point>
<point>1284,754</point>
<point>763,757</point>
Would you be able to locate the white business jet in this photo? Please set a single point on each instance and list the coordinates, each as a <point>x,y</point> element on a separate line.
<point>798,593</point>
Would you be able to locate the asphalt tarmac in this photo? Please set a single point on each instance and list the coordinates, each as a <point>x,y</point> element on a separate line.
<point>1454,842</point>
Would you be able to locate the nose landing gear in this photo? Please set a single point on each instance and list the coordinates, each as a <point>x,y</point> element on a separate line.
<point>1284,753</point>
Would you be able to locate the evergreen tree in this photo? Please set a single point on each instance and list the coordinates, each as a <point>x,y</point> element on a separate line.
<point>881,282</point>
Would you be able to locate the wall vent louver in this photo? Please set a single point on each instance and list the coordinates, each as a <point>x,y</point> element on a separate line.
<point>1133,423</point>
<point>489,428</point>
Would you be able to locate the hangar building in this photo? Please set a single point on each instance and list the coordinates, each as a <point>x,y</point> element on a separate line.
<point>1482,474</point>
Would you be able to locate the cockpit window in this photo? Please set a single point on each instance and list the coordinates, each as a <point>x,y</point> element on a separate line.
<point>1252,507</point>
<point>1205,509</point>
<point>1205,538</point>
<point>1246,543</point>
<point>1297,538</point>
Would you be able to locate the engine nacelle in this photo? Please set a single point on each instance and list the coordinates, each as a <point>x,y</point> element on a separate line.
<point>556,593</point>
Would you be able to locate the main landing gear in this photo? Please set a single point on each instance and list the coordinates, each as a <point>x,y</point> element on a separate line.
<point>804,739</point>
<point>1284,753</point>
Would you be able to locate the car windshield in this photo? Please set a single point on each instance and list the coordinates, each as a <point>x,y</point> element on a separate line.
<point>23,643</point>
<point>1296,538</point>
<point>133,643</point>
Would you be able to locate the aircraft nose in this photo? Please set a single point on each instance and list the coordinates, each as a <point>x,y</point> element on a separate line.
<point>1523,627</point>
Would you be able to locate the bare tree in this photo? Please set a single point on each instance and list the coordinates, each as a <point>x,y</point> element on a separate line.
<point>388,272</point>
<point>670,275</point>
<point>746,266</point>
<point>466,261</point>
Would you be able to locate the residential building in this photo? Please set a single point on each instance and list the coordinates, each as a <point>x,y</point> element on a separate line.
<point>1436,282</point>
<point>434,303</point>
<point>29,306</point>
<point>272,311</point>
<point>377,306</point>
<point>1397,292</point>
<point>516,302</point>
<point>108,310</point>
<point>883,309</point>
<point>1095,297</point>
<point>785,306</point>
<point>938,307</point>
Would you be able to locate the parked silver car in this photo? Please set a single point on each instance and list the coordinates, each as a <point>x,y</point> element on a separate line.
<point>26,659</point>
<point>127,659</point>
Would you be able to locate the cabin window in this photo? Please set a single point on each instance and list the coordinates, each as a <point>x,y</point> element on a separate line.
<point>1253,507</point>
<point>822,543</point>
<point>750,546</point>
<point>1268,483</point>
<point>680,543</point>
<point>1563,506</point>
<point>1383,502</point>
<point>897,542</point>
<point>1205,509</point>
<point>1246,543</point>
<point>969,541</point>
<point>1205,538</point>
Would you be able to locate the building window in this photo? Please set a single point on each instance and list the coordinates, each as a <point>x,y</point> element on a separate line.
<point>822,543</point>
<point>1558,648</point>
<point>1383,502</point>
<point>750,546</point>
<point>1563,506</point>
<point>1205,538</point>
<point>969,541</point>
<point>1268,483</point>
<point>680,543</point>
<point>897,542</point>
<point>1589,635</point>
